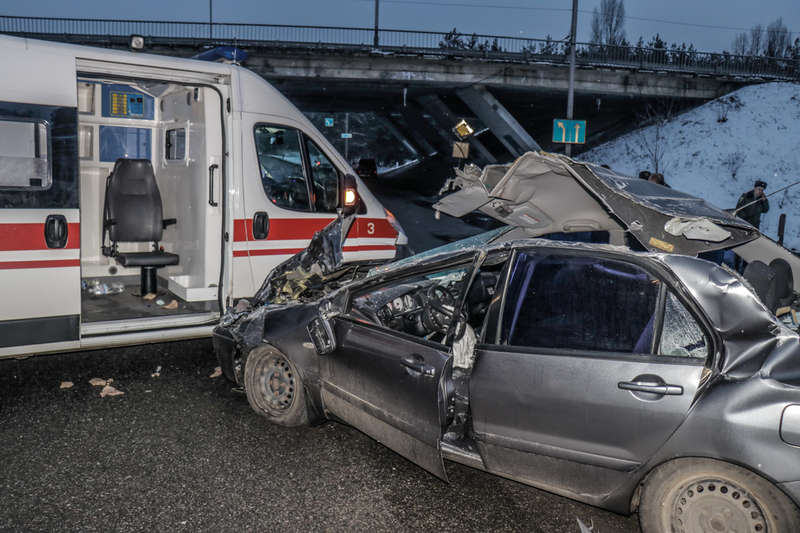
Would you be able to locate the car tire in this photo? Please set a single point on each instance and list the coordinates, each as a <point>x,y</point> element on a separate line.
<point>697,495</point>
<point>274,387</point>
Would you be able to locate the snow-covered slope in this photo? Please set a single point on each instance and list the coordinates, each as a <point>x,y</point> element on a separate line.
<point>762,132</point>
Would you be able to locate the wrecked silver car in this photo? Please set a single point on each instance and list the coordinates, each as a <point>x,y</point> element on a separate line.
<point>616,374</point>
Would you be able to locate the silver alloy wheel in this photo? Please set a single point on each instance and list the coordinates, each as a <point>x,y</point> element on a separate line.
<point>716,506</point>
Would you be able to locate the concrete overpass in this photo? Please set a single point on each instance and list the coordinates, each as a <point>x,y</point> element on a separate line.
<point>422,81</point>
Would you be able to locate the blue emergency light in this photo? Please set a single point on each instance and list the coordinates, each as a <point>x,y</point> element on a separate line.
<point>222,54</point>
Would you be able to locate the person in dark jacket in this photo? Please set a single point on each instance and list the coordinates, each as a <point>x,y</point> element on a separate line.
<point>752,203</point>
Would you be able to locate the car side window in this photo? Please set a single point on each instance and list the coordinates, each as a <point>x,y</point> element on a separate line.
<point>324,180</point>
<point>681,336</point>
<point>566,301</point>
<point>421,305</point>
<point>280,161</point>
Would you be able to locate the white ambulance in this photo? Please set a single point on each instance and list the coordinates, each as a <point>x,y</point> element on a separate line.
<point>140,195</point>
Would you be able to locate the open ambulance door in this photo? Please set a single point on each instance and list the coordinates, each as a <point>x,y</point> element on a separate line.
<point>39,202</point>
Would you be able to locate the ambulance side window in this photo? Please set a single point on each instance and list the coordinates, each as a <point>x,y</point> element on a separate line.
<point>25,162</point>
<point>280,162</point>
<point>175,144</point>
<point>324,180</point>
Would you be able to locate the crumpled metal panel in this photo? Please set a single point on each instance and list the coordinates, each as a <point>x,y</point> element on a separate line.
<point>755,342</point>
<point>310,267</point>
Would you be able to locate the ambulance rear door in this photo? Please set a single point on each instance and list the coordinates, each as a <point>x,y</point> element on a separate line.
<point>39,200</point>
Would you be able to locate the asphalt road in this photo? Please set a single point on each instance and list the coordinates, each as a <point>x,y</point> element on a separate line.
<point>184,452</point>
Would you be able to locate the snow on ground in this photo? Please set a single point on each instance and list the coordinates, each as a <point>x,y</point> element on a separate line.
<point>762,130</point>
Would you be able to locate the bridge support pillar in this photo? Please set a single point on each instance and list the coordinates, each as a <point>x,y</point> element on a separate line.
<point>414,138</point>
<point>386,121</point>
<point>424,130</point>
<point>446,119</point>
<point>498,119</point>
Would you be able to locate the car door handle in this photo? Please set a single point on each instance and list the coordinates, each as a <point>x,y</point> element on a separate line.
<point>260,225</point>
<point>417,364</point>
<point>654,388</point>
<point>56,231</point>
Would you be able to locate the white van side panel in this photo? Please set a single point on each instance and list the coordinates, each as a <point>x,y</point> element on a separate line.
<point>49,74</point>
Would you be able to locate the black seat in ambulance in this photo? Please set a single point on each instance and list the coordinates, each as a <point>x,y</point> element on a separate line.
<point>133,213</point>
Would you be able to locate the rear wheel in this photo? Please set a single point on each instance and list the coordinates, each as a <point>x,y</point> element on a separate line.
<point>274,387</point>
<point>707,496</point>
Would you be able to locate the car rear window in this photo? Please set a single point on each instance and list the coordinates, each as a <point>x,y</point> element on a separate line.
<point>557,300</point>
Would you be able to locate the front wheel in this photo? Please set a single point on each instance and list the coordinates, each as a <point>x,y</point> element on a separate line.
<point>274,387</point>
<point>703,495</point>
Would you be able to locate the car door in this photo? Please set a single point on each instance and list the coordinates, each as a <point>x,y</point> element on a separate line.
<point>385,375</point>
<point>39,197</point>
<point>595,363</point>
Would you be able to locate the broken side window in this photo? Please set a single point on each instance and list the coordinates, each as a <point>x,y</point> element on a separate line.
<point>681,336</point>
<point>568,301</point>
<point>421,305</point>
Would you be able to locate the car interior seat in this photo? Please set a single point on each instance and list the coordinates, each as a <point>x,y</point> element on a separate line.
<point>132,212</point>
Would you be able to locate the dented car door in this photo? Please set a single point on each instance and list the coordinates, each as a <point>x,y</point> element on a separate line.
<point>595,364</point>
<point>385,374</point>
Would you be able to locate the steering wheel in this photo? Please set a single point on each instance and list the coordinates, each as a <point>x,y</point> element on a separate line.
<point>439,305</point>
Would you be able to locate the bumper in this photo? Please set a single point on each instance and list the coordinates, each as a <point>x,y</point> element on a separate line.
<point>225,348</point>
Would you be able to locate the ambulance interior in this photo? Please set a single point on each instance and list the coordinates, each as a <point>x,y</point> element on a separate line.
<point>177,129</point>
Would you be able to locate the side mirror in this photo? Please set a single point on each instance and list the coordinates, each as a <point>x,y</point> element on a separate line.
<point>321,333</point>
<point>348,193</point>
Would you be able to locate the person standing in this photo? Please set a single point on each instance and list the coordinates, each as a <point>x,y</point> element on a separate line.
<point>753,203</point>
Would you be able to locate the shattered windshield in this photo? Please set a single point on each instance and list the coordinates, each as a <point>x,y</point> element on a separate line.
<point>464,244</point>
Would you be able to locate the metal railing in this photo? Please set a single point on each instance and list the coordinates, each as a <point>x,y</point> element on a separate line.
<point>489,47</point>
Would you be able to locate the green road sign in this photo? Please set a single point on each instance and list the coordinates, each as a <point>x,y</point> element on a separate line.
<point>569,131</point>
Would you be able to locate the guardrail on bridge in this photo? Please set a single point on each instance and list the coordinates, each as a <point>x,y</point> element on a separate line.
<point>448,44</point>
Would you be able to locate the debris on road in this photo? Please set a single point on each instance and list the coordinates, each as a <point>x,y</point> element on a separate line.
<point>100,382</point>
<point>217,373</point>
<point>157,373</point>
<point>66,385</point>
<point>172,305</point>
<point>584,528</point>
<point>108,390</point>
<point>149,296</point>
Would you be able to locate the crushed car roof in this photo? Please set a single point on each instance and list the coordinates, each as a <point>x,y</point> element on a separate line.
<point>548,193</point>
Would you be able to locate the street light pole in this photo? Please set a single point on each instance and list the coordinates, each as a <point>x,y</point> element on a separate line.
<point>571,90</point>
<point>210,20</point>
<point>375,40</point>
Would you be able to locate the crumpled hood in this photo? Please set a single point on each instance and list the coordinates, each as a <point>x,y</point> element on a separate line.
<point>755,342</point>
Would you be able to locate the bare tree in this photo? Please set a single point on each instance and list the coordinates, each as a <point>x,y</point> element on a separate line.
<point>653,140</point>
<point>756,39</point>
<point>741,44</point>
<point>778,39</point>
<point>608,24</point>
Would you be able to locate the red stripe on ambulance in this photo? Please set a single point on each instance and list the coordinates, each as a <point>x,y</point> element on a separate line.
<point>284,229</point>
<point>30,236</point>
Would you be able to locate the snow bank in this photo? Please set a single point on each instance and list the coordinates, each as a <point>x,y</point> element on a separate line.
<point>762,132</point>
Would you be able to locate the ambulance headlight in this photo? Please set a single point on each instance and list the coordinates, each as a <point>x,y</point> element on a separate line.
<point>349,199</point>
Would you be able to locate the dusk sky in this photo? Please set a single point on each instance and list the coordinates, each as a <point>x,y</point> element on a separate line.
<point>709,24</point>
